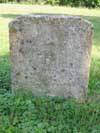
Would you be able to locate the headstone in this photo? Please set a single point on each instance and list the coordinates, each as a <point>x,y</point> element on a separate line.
<point>50,55</point>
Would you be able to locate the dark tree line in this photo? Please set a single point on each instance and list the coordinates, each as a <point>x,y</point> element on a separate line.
<point>77,3</point>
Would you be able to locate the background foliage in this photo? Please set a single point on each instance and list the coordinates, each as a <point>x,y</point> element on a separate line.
<point>76,3</point>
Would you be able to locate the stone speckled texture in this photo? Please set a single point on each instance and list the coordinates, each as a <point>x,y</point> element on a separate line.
<point>50,54</point>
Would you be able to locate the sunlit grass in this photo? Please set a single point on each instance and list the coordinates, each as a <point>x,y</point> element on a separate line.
<point>15,8</point>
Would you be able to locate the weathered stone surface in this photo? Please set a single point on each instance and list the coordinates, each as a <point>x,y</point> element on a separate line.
<point>50,54</point>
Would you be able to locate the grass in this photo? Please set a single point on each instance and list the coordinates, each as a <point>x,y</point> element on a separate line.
<point>22,113</point>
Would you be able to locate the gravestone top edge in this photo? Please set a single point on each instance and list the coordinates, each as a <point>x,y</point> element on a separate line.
<point>49,18</point>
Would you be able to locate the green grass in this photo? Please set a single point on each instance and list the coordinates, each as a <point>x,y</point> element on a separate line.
<point>21,113</point>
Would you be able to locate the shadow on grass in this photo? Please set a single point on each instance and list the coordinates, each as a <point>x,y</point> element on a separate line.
<point>4,73</point>
<point>11,16</point>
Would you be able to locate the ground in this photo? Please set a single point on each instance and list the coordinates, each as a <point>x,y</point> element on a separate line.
<point>77,120</point>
